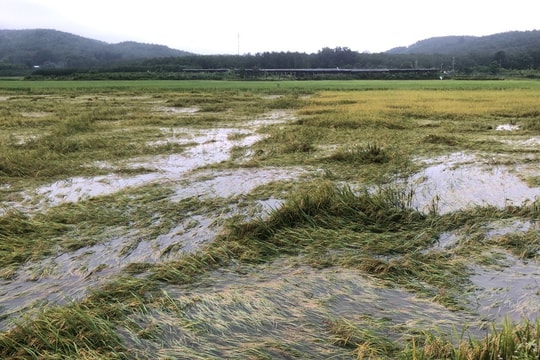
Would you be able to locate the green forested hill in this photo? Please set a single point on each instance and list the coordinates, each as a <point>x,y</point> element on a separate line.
<point>51,48</point>
<point>57,53</point>
<point>510,42</point>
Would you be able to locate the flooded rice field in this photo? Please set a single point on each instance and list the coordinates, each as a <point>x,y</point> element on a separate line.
<point>279,301</point>
<point>511,287</point>
<point>458,181</point>
<point>204,147</point>
<point>68,276</point>
<point>220,172</point>
<point>448,183</point>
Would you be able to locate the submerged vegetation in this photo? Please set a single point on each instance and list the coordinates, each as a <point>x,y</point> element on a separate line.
<point>256,221</point>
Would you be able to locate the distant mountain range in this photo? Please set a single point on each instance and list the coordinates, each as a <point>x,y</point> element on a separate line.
<point>43,47</point>
<point>21,51</point>
<point>510,42</point>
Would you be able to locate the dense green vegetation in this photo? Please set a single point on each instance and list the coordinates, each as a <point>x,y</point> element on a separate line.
<point>72,57</point>
<point>21,50</point>
<point>465,56</point>
<point>141,86</point>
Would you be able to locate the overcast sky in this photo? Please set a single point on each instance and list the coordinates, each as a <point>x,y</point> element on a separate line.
<point>232,26</point>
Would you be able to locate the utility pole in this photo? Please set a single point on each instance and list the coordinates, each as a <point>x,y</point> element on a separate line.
<point>238,44</point>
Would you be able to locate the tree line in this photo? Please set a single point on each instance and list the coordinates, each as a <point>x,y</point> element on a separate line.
<point>50,53</point>
<point>344,57</point>
<point>339,57</point>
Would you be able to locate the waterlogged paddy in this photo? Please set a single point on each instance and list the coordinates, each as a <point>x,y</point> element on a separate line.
<point>204,147</point>
<point>68,276</point>
<point>207,163</point>
<point>296,305</point>
<point>459,181</point>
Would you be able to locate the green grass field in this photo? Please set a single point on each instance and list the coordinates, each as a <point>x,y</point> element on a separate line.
<point>272,85</point>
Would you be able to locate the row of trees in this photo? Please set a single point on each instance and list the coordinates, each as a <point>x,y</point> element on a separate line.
<point>344,57</point>
<point>340,57</point>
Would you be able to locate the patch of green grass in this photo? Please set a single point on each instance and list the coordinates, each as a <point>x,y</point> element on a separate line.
<point>63,332</point>
<point>532,124</point>
<point>440,139</point>
<point>362,154</point>
<point>85,330</point>
<point>279,144</point>
<point>533,181</point>
<point>511,341</point>
<point>365,342</point>
<point>271,86</point>
<point>281,233</point>
<point>523,245</point>
<point>288,101</point>
<point>25,238</point>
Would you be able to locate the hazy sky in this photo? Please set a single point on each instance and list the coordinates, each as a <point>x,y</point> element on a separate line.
<point>229,26</point>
